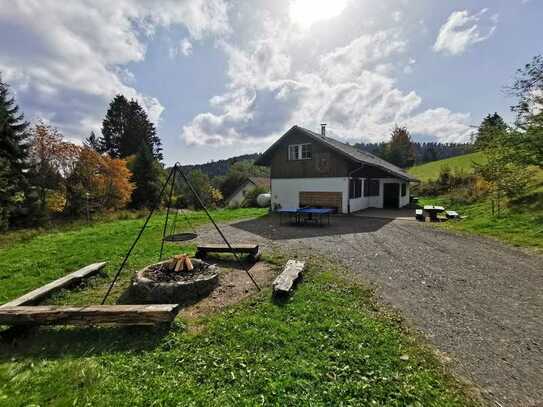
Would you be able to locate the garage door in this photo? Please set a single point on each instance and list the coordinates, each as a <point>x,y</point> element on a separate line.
<point>322,199</point>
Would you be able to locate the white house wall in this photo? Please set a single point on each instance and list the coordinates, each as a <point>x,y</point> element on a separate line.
<point>365,202</point>
<point>377,201</point>
<point>286,191</point>
<point>404,200</point>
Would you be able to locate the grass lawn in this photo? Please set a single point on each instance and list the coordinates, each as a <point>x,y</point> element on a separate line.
<point>29,259</point>
<point>328,345</point>
<point>522,227</point>
<point>521,224</point>
<point>430,171</point>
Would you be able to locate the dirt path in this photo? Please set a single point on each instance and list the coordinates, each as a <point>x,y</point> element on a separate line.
<point>479,301</point>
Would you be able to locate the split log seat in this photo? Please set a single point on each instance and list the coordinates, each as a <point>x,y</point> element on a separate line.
<point>43,292</point>
<point>245,248</point>
<point>89,315</point>
<point>284,283</point>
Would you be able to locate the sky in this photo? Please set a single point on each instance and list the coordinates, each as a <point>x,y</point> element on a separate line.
<point>222,78</point>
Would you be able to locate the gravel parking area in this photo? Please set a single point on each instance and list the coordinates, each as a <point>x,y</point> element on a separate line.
<point>480,302</point>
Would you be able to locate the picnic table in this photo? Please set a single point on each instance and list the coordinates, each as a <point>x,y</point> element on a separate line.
<point>306,215</point>
<point>433,211</point>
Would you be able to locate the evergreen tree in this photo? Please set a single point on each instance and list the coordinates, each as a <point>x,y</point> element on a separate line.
<point>13,154</point>
<point>126,128</point>
<point>400,150</point>
<point>93,142</point>
<point>491,127</point>
<point>146,177</point>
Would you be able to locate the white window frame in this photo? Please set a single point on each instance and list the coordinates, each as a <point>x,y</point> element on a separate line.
<point>296,152</point>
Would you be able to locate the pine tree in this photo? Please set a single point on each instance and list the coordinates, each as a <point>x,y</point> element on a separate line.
<point>491,127</point>
<point>13,153</point>
<point>400,150</point>
<point>93,142</point>
<point>126,128</point>
<point>146,177</point>
<point>114,126</point>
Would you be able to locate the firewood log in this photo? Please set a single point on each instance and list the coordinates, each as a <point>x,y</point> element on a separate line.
<point>180,263</point>
<point>188,264</point>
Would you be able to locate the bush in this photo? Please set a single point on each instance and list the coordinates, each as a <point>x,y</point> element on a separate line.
<point>252,195</point>
<point>459,186</point>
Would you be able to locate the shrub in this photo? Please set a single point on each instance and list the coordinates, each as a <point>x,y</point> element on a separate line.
<point>252,195</point>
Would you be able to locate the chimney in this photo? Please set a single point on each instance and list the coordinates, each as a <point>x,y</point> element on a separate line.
<point>323,129</point>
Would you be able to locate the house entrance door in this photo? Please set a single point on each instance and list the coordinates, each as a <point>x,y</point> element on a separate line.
<point>391,195</point>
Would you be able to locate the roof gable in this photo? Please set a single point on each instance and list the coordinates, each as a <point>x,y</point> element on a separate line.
<point>257,182</point>
<point>346,150</point>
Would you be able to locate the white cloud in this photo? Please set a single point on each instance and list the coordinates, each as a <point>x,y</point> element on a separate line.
<point>66,59</point>
<point>183,48</point>
<point>461,30</point>
<point>351,87</point>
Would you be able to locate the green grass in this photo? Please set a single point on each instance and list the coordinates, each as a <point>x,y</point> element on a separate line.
<point>521,227</point>
<point>520,223</point>
<point>430,171</point>
<point>327,345</point>
<point>29,259</point>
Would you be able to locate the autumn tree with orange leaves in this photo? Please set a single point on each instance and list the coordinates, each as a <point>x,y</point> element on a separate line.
<point>97,183</point>
<point>72,179</point>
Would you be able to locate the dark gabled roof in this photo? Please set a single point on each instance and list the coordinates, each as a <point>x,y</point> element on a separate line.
<point>262,182</point>
<point>352,153</point>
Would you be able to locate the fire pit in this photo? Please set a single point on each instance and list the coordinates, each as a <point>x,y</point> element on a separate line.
<point>160,283</point>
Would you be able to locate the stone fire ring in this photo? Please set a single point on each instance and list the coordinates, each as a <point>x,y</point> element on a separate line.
<point>147,291</point>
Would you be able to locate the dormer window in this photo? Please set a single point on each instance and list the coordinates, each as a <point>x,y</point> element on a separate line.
<point>299,151</point>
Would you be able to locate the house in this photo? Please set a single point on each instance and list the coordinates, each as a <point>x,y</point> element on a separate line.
<point>238,196</point>
<point>311,169</point>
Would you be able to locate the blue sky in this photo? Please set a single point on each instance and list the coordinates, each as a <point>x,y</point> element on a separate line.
<point>222,78</point>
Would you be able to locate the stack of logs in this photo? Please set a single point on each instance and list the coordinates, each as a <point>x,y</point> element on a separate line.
<point>181,262</point>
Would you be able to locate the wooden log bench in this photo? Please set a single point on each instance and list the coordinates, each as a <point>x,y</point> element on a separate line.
<point>89,315</point>
<point>71,279</point>
<point>244,248</point>
<point>284,283</point>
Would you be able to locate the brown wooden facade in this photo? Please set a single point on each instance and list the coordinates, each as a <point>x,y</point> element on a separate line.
<point>324,162</point>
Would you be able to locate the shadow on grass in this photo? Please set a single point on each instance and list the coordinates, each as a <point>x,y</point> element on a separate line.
<point>59,342</point>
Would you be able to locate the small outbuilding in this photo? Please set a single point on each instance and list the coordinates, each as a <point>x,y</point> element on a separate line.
<point>238,196</point>
<point>311,169</point>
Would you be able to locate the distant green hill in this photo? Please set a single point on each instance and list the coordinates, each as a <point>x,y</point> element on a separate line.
<point>431,170</point>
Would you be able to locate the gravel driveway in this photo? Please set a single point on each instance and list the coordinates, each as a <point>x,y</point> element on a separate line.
<point>477,300</point>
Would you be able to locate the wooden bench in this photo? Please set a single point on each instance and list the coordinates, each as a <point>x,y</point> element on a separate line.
<point>44,291</point>
<point>284,283</point>
<point>88,315</point>
<point>251,249</point>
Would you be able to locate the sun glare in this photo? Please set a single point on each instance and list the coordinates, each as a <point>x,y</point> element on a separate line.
<point>307,12</point>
